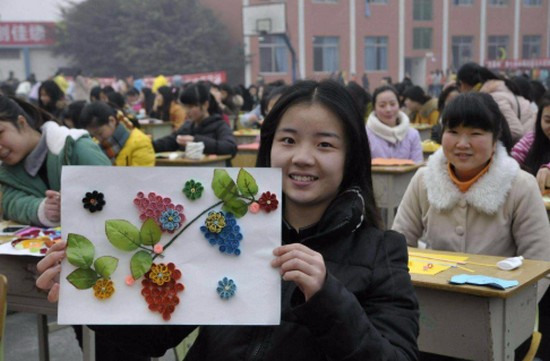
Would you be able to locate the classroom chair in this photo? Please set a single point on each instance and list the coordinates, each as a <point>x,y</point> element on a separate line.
<point>3,310</point>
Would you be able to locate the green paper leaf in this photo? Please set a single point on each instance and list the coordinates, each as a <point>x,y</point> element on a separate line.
<point>106,266</point>
<point>140,264</point>
<point>150,232</point>
<point>83,278</point>
<point>236,206</point>
<point>122,234</point>
<point>80,251</point>
<point>224,187</point>
<point>247,184</point>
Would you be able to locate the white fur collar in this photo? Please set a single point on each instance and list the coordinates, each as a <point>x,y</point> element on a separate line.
<point>56,136</point>
<point>486,195</point>
<point>391,134</point>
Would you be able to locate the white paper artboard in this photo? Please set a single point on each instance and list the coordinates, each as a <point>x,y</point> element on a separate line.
<point>257,300</point>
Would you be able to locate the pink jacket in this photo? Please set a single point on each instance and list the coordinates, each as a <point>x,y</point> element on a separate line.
<point>520,120</point>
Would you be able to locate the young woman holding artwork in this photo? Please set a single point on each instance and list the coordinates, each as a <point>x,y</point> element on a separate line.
<point>204,124</point>
<point>33,149</point>
<point>338,267</point>
<point>125,147</point>
<point>389,130</point>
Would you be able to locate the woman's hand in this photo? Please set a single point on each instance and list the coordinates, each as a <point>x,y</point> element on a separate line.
<point>543,178</point>
<point>184,139</point>
<point>49,269</point>
<point>301,265</point>
<point>52,206</point>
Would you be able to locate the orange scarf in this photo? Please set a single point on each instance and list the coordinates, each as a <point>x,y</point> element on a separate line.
<point>464,186</point>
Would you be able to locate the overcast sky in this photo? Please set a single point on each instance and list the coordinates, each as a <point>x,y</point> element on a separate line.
<point>31,10</point>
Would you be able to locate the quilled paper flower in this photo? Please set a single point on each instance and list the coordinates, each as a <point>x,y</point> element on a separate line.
<point>226,288</point>
<point>193,190</point>
<point>215,222</point>
<point>229,238</point>
<point>93,201</point>
<point>159,274</point>
<point>170,220</point>
<point>254,207</point>
<point>163,298</point>
<point>154,206</point>
<point>268,201</point>
<point>103,289</point>
<point>158,248</point>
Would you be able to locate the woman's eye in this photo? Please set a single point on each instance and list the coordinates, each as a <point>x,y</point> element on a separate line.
<point>325,145</point>
<point>287,140</point>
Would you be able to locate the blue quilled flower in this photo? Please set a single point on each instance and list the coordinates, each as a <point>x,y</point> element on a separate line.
<point>170,220</point>
<point>221,229</point>
<point>226,288</point>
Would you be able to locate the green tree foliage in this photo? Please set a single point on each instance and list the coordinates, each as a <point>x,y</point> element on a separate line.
<point>146,37</point>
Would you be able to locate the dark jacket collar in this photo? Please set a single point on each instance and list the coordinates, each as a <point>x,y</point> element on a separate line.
<point>344,215</point>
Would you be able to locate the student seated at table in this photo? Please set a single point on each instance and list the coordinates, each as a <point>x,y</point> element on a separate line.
<point>472,196</point>
<point>33,149</point>
<point>389,130</point>
<point>533,150</point>
<point>346,290</point>
<point>255,117</point>
<point>167,108</point>
<point>204,124</point>
<point>123,145</point>
<point>422,107</point>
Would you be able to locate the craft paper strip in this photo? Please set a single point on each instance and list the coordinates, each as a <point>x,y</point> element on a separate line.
<point>438,257</point>
<point>426,267</point>
<point>191,260</point>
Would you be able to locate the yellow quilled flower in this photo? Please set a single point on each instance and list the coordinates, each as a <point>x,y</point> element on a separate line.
<point>103,289</point>
<point>215,222</point>
<point>160,274</point>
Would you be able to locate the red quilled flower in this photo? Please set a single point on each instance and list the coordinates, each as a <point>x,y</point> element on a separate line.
<point>268,201</point>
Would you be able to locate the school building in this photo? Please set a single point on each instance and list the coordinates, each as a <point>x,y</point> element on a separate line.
<point>386,37</point>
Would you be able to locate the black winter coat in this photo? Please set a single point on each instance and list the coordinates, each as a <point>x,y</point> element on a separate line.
<point>213,131</point>
<point>366,310</point>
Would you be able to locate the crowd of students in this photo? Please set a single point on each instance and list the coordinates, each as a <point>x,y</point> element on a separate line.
<point>479,193</point>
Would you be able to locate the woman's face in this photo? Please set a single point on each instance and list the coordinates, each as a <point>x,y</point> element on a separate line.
<point>545,121</point>
<point>103,132</point>
<point>412,105</point>
<point>45,97</point>
<point>387,107</point>
<point>16,144</point>
<point>468,150</point>
<point>196,112</point>
<point>310,146</point>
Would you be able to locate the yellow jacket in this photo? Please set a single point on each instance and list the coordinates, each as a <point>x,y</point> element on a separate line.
<point>138,151</point>
<point>428,113</point>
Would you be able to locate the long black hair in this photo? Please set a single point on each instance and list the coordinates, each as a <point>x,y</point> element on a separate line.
<point>539,153</point>
<point>334,97</point>
<point>197,94</point>
<point>169,94</point>
<point>12,108</point>
<point>473,73</point>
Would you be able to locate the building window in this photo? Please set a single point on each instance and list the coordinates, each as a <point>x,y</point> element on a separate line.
<point>376,53</point>
<point>463,2</point>
<point>462,50</point>
<point>10,53</point>
<point>326,50</point>
<point>422,10</point>
<point>497,47</point>
<point>498,2</point>
<point>532,2</point>
<point>273,54</point>
<point>532,46</point>
<point>422,38</point>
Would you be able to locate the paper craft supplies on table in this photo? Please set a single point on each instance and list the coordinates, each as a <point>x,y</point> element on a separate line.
<point>222,261</point>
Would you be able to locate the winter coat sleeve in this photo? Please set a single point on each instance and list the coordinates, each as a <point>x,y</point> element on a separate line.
<point>168,143</point>
<point>521,148</point>
<point>222,143</point>
<point>416,147</point>
<point>380,323</point>
<point>408,219</point>
<point>511,115</point>
<point>20,206</point>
